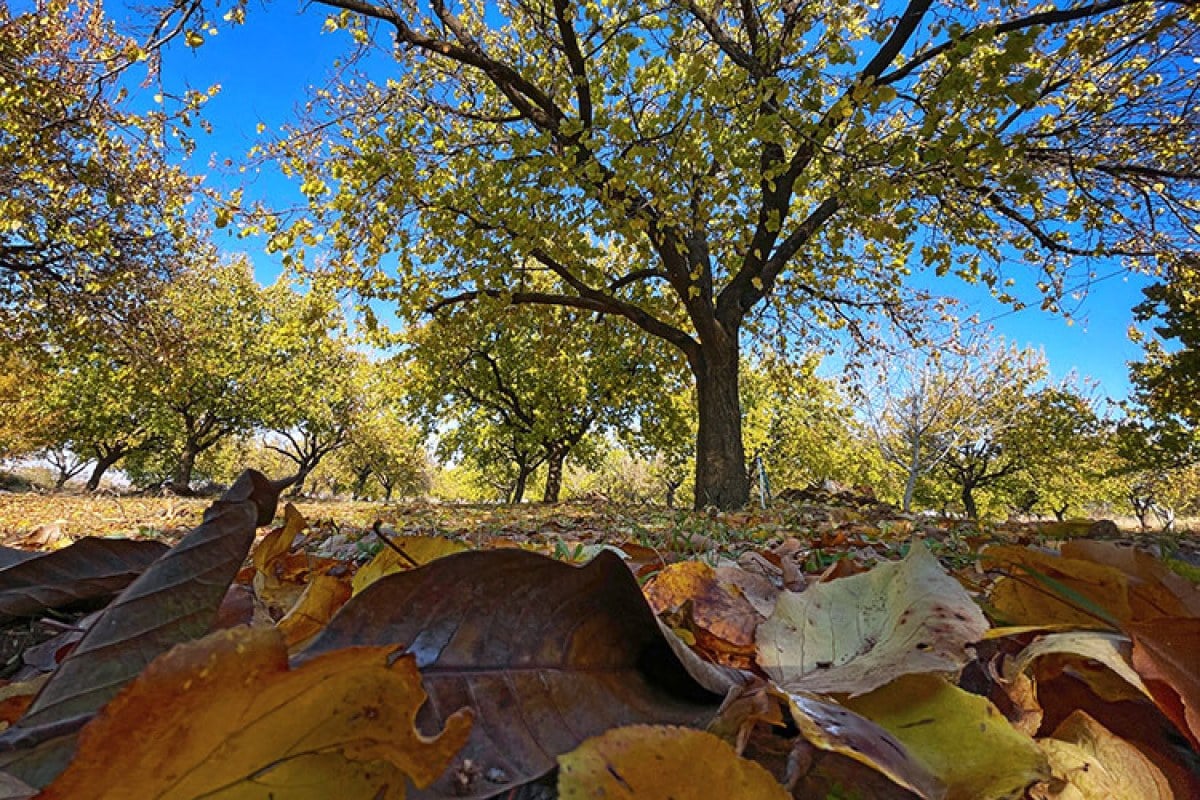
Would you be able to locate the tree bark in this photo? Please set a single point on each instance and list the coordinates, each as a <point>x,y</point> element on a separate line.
<point>721,478</point>
<point>968,501</point>
<point>556,456</point>
<point>361,476</point>
<point>103,463</point>
<point>910,483</point>
<point>304,470</point>
<point>181,483</point>
<point>518,491</point>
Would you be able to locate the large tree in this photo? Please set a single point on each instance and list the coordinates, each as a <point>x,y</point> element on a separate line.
<point>808,155</point>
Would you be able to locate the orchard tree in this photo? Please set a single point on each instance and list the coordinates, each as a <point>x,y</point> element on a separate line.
<point>1163,431</point>
<point>1067,454</point>
<point>319,392</point>
<point>800,424</point>
<point>529,387</point>
<point>210,360</point>
<point>90,208</point>
<point>930,405</point>
<point>99,401</point>
<point>804,155</point>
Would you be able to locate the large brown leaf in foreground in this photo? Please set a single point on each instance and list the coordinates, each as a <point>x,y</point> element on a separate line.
<point>175,600</point>
<point>544,653</point>
<point>225,717</point>
<point>89,572</point>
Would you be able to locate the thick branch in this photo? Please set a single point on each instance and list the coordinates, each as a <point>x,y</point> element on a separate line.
<point>1022,23</point>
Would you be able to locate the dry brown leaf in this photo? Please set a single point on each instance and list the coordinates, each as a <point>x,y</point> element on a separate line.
<point>547,654</point>
<point>1166,653</point>
<point>722,619</point>
<point>1154,590</point>
<point>241,724</point>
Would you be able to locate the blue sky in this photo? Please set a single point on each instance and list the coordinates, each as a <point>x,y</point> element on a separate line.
<point>265,66</point>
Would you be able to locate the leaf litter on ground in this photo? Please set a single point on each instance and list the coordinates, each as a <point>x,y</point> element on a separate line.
<point>829,642</point>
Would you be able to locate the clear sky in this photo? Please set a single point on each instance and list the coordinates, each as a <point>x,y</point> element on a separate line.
<point>265,66</point>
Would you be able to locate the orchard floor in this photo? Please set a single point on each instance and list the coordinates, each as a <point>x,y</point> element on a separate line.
<point>812,528</point>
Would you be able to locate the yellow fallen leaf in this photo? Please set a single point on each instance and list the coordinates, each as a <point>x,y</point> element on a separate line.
<point>653,762</point>
<point>225,717</point>
<point>321,599</point>
<point>961,738</point>
<point>1100,659</point>
<point>1090,762</point>
<point>418,550</point>
<point>836,729</point>
<point>278,542</point>
<point>1045,589</point>
<point>854,634</point>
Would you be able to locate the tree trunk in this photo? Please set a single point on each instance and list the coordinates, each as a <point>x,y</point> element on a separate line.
<point>181,483</point>
<point>359,489</point>
<point>721,479</point>
<point>910,483</point>
<point>555,458</point>
<point>103,463</point>
<point>305,469</point>
<point>968,501</point>
<point>672,487</point>
<point>518,491</point>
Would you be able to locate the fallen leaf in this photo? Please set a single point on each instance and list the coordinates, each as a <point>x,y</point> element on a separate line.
<point>1045,589</point>
<point>836,729</point>
<point>1154,590</point>
<point>1094,657</point>
<point>855,634</point>
<point>86,574</point>
<point>239,722</point>
<point>1089,762</point>
<point>545,653</point>
<point>277,543</point>
<point>418,550</point>
<point>173,601</point>
<point>321,599</point>
<point>720,616</point>
<point>1166,653</point>
<point>961,738</point>
<point>653,762</point>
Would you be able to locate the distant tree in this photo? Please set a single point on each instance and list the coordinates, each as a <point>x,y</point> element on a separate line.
<point>1163,431</point>
<point>527,388</point>
<point>209,360</point>
<point>385,449</point>
<point>318,393</point>
<point>800,424</point>
<point>802,155</point>
<point>1067,454</point>
<point>931,405</point>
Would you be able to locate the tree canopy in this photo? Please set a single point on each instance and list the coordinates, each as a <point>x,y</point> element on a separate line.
<point>701,168</point>
<point>89,205</point>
